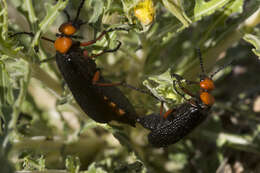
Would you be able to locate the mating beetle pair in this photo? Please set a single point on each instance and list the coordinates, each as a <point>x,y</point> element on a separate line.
<point>103,102</point>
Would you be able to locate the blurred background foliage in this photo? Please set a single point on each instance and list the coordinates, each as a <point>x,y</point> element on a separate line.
<point>43,129</point>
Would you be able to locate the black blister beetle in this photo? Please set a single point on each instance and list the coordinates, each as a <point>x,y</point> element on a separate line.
<point>97,97</point>
<point>98,100</point>
<point>178,122</point>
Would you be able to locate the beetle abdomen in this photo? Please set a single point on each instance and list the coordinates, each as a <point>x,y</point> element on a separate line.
<point>178,124</point>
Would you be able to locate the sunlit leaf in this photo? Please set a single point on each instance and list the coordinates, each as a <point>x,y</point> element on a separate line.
<point>255,41</point>
<point>203,8</point>
<point>175,7</point>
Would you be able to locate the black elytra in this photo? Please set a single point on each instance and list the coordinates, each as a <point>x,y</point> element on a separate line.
<point>167,131</point>
<point>102,103</point>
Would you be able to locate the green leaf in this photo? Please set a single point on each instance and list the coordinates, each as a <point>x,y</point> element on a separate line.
<point>175,7</point>
<point>224,138</point>
<point>6,47</point>
<point>3,19</point>
<point>160,85</point>
<point>6,92</point>
<point>14,80</point>
<point>32,163</point>
<point>128,5</point>
<point>30,9</point>
<point>52,13</point>
<point>232,7</point>
<point>98,7</point>
<point>72,164</point>
<point>93,169</point>
<point>255,41</point>
<point>203,8</point>
<point>179,160</point>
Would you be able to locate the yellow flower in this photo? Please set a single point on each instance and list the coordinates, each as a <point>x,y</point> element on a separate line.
<point>145,11</point>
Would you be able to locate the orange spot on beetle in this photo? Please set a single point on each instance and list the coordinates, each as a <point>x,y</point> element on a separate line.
<point>207,84</point>
<point>207,98</point>
<point>121,112</point>
<point>96,77</point>
<point>63,44</point>
<point>112,104</point>
<point>166,114</point>
<point>67,29</point>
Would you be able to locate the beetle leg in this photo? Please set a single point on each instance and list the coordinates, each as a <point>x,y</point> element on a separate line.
<point>67,15</point>
<point>96,77</point>
<point>178,77</point>
<point>108,84</point>
<point>124,84</point>
<point>193,102</point>
<point>178,80</point>
<point>186,91</point>
<point>93,41</point>
<point>176,90</point>
<point>161,108</point>
<point>100,36</point>
<point>107,50</point>
<point>31,35</point>
<point>79,9</point>
<point>166,114</point>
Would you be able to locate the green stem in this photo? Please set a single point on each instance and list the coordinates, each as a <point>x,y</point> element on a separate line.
<point>31,13</point>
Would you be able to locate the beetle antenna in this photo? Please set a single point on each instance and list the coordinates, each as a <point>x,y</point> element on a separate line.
<point>78,11</point>
<point>201,61</point>
<point>31,35</point>
<point>67,15</point>
<point>219,69</point>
